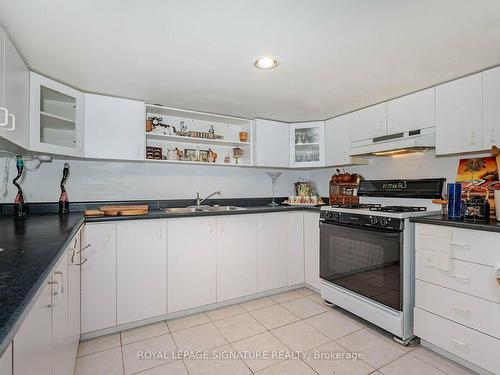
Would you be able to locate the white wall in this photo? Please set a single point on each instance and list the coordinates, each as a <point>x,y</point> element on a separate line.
<point>100,180</point>
<point>96,180</point>
<point>424,165</point>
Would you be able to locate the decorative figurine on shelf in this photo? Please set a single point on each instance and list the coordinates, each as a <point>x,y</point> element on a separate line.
<point>63,198</point>
<point>211,129</point>
<point>212,156</point>
<point>227,159</point>
<point>19,204</point>
<point>171,153</point>
<point>183,126</point>
<point>237,154</point>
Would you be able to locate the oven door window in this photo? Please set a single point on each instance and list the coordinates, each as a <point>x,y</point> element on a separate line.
<point>365,261</point>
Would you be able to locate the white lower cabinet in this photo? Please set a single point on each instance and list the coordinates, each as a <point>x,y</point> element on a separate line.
<point>141,270</point>
<point>192,269</point>
<point>457,297</point>
<point>98,278</point>
<point>272,251</point>
<point>74,296</point>
<point>33,341</point>
<point>46,342</point>
<point>236,257</point>
<point>311,249</point>
<point>295,248</point>
<point>6,361</point>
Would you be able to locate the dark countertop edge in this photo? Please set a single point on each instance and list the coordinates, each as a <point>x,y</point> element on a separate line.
<point>488,226</point>
<point>158,214</point>
<point>25,307</point>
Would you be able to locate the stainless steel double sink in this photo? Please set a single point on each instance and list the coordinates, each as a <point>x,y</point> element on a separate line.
<point>194,209</point>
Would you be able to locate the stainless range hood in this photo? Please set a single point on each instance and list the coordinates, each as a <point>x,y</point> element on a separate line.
<point>396,144</point>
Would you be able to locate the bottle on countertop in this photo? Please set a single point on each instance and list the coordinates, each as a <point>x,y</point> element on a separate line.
<point>20,208</point>
<point>63,198</point>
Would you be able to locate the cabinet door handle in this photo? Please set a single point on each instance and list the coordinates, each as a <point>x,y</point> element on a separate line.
<point>461,310</point>
<point>13,126</point>
<point>492,135</point>
<point>460,343</point>
<point>160,233</point>
<point>6,116</point>
<point>221,226</point>
<point>62,280</point>
<point>57,293</point>
<point>460,277</point>
<point>86,247</point>
<point>472,138</point>
<point>456,244</point>
<point>74,244</point>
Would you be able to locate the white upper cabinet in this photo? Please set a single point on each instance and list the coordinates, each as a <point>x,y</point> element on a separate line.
<point>272,145</point>
<point>56,117</point>
<point>14,94</point>
<point>411,112</point>
<point>491,107</point>
<point>459,116</point>
<point>307,144</point>
<point>236,259</point>
<point>114,128</point>
<point>369,123</point>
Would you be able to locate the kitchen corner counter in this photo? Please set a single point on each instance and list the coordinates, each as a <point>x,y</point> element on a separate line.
<point>489,226</point>
<point>30,248</point>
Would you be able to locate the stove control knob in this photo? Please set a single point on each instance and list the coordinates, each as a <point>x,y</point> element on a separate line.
<point>335,215</point>
<point>373,221</point>
<point>384,222</point>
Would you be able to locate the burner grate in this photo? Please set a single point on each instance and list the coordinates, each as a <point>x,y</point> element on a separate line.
<point>398,209</point>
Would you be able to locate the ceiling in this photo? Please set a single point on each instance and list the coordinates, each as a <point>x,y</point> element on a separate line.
<point>335,55</point>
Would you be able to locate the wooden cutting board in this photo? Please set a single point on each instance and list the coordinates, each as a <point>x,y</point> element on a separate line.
<point>127,210</point>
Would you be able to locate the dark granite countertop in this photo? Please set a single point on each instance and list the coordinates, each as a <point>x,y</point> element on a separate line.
<point>161,214</point>
<point>490,226</point>
<point>32,246</point>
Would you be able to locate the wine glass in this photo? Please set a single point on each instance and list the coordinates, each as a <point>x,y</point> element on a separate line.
<point>274,177</point>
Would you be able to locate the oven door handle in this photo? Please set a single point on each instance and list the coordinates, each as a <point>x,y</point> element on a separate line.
<point>383,231</point>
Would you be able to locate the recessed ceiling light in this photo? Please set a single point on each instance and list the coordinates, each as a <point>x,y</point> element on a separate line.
<point>266,62</point>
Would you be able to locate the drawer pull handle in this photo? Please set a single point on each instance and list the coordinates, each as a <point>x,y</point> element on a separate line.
<point>84,248</point>
<point>456,244</point>
<point>460,277</point>
<point>459,309</point>
<point>460,343</point>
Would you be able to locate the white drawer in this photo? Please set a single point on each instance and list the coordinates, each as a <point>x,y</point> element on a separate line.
<point>475,347</point>
<point>470,311</point>
<point>471,278</point>
<point>465,244</point>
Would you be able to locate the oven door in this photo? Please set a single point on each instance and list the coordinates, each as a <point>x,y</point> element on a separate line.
<point>365,261</point>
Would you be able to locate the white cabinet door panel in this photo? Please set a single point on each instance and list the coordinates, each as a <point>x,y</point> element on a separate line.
<point>62,363</point>
<point>237,257</point>
<point>191,260</point>
<point>272,147</point>
<point>98,277</point>
<point>6,358</point>
<point>337,141</point>
<point>368,123</point>
<point>459,116</point>
<point>141,270</point>
<point>491,107</point>
<point>16,96</point>
<point>74,296</point>
<point>411,112</point>
<point>311,249</point>
<point>119,120</point>
<point>272,251</point>
<point>295,258</point>
<point>33,340</point>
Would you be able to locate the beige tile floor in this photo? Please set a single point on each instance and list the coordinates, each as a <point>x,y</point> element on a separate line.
<point>284,323</point>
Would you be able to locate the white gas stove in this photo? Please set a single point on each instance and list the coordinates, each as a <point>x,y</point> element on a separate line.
<point>366,257</point>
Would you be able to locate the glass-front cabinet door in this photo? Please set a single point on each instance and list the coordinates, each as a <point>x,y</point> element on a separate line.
<point>56,117</point>
<point>307,141</point>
